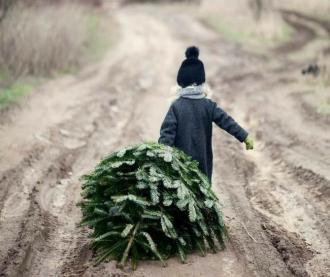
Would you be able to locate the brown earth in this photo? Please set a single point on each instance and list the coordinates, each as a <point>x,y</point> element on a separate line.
<point>276,198</point>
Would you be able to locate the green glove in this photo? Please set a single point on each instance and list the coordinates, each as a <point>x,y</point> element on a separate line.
<point>248,143</point>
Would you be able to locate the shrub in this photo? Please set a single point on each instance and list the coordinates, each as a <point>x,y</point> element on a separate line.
<point>150,201</point>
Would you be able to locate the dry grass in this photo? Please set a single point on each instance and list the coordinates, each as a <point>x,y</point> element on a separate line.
<point>46,40</point>
<point>41,40</point>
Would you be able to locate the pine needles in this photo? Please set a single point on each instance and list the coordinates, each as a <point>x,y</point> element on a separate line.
<point>150,202</point>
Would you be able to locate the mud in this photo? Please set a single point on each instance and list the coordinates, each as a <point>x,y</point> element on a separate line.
<point>276,198</point>
<point>294,251</point>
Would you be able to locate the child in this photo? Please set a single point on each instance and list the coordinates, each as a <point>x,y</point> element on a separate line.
<point>188,123</point>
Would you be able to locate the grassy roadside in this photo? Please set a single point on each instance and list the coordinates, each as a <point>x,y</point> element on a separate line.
<point>102,35</point>
<point>13,92</point>
<point>71,48</point>
<point>244,36</point>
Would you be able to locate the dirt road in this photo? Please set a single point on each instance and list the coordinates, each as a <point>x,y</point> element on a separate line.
<point>276,199</point>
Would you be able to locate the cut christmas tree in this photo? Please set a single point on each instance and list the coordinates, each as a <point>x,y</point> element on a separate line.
<point>150,201</point>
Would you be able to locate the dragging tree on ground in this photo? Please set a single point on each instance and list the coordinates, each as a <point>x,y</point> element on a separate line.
<point>150,202</point>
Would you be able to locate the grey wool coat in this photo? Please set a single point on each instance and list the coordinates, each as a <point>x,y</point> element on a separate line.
<point>188,126</point>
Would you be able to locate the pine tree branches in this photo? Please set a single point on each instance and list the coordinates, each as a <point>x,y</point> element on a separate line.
<point>150,201</point>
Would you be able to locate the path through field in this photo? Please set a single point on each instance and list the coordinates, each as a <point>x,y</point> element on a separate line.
<point>276,198</point>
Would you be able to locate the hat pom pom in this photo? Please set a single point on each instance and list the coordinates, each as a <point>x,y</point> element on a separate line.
<point>192,52</point>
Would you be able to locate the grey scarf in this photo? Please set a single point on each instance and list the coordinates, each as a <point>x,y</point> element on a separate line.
<point>192,92</point>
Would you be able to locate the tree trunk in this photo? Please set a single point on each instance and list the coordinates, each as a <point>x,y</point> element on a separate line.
<point>260,7</point>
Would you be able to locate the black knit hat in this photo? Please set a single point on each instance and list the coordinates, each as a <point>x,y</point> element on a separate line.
<point>192,69</point>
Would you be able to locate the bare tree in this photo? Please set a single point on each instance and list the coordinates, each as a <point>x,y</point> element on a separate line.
<point>260,7</point>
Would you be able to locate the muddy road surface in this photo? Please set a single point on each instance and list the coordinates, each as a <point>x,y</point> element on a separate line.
<point>276,198</point>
